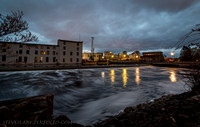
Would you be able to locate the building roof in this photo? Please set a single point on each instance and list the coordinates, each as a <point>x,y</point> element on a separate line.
<point>151,52</point>
<point>36,43</point>
<point>70,41</point>
<point>28,43</point>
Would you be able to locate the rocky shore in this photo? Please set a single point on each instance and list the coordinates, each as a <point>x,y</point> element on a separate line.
<point>32,111</point>
<point>181,110</point>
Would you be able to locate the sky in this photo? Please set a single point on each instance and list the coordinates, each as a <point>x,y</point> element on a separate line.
<point>116,25</point>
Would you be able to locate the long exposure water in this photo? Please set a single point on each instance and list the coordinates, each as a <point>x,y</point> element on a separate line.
<point>89,95</point>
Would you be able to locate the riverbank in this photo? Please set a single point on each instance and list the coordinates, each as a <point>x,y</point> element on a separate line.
<point>168,111</point>
<point>61,67</point>
<point>171,111</point>
<point>35,68</point>
<point>177,64</point>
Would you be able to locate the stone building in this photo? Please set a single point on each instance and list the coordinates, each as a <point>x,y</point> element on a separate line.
<point>153,56</point>
<point>123,56</point>
<point>66,52</point>
<point>135,56</point>
<point>95,56</point>
<point>108,55</point>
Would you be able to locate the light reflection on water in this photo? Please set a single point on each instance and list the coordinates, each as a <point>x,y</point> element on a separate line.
<point>137,76</point>
<point>88,95</point>
<point>112,77</point>
<point>172,76</point>
<point>125,77</point>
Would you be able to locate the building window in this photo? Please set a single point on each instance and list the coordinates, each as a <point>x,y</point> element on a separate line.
<point>20,46</point>
<point>27,51</point>
<point>54,59</point>
<point>63,60</point>
<point>53,53</point>
<point>77,44</point>
<point>71,53</point>
<point>64,47</point>
<point>4,50</point>
<point>54,47</point>
<point>64,43</point>
<point>77,60</point>
<point>20,51</point>
<point>36,47</point>
<point>77,48</point>
<point>48,47</point>
<point>36,52</point>
<point>47,52</point>
<point>77,53</point>
<point>20,59</point>
<point>4,58</point>
<point>71,60</point>
<point>41,52</point>
<point>41,47</point>
<point>4,45</point>
<point>36,59</point>
<point>47,59</point>
<point>25,59</point>
<point>16,52</point>
<point>63,53</point>
<point>41,59</point>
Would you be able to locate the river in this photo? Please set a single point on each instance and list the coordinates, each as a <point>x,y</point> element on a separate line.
<point>89,95</point>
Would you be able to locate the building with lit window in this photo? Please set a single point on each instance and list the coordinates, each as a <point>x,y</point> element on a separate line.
<point>66,52</point>
<point>135,56</point>
<point>153,56</point>
<point>108,55</point>
<point>123,56</point>
<point>95,56</point>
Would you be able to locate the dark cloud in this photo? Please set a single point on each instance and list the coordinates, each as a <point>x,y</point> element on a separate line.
<point>165,5</point>
<point>116,24</point>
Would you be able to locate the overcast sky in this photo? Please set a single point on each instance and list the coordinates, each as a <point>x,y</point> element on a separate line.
<point>116,25</point>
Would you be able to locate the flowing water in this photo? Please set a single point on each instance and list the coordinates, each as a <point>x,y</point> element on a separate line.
<point>89,95</point>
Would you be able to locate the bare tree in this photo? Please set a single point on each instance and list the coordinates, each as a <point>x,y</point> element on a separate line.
<point>14,29</point>
<point>190,39</point>
<point>191,46</point>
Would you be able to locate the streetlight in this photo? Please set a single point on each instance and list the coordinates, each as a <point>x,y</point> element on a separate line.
<point>172,53</point>
<point>173,56</point>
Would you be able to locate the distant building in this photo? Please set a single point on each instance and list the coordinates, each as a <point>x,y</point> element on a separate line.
<point>108,55</point>
<point>123,56</point>
<point>95,56</point>
<point>135,56</point>
<point>153,56</point>
<point>66,52</point>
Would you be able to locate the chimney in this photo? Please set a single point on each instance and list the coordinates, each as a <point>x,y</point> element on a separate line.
<point>92,49</point>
